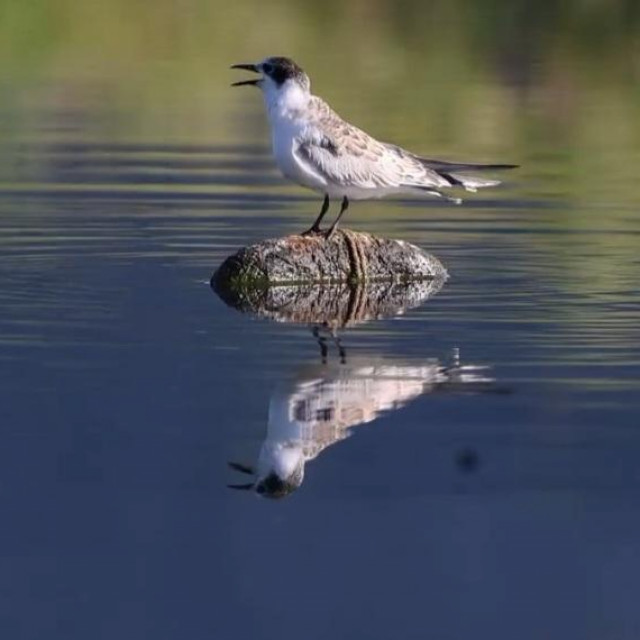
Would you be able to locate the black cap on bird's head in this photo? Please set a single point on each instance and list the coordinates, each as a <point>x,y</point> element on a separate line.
<point>276,69</point>
<point>271,485</point>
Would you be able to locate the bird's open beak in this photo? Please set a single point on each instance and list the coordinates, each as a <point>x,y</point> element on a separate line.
<point>243,468</point>
<point>246,67</point>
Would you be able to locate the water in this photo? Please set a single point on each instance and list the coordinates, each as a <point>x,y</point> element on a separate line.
<point>490,483</point>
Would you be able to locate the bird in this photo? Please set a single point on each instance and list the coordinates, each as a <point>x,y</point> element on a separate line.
<point>321,405</point>
<point>316,148</point>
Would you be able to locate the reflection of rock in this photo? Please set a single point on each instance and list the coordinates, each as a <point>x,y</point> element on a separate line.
<point>322,404</point>
<point>347,257</point>
<point>336,305</point>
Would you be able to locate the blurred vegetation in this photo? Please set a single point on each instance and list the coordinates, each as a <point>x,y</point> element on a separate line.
<point>553,86</point>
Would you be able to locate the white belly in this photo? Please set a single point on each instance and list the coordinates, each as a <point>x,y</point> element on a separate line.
<point>284,141</point>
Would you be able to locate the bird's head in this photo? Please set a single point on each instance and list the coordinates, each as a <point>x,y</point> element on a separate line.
<point>277,75</point>
<point>272,484</point>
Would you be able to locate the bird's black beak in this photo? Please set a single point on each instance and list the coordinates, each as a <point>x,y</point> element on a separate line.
<point>246,67</point>
<point>243,468</point>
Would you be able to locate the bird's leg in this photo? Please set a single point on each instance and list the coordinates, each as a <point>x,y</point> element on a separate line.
<point>322,342</point>
<point>334,226</point>
<point>341,350</point>
<point>315,227</point>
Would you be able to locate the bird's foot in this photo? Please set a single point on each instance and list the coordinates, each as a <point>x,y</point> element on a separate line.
<point>330,232</point>
<point>311,231</point>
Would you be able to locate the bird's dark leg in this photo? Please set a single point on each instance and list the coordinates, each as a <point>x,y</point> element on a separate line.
<point>322,342</point>
<point>341,350</point>
<point>334,226</point>
<point>315,227</point>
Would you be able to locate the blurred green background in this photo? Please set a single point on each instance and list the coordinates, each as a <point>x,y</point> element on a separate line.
<point>552,86</point>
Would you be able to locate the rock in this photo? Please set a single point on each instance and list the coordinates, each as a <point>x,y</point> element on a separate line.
<point>348,256</point>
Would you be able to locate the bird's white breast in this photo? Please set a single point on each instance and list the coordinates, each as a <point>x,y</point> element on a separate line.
<point>288,127</point>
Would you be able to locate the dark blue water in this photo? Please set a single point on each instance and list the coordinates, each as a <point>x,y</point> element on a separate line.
<point>497,509</point>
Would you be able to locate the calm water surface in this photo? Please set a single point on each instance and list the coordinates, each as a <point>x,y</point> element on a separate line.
<point>509,507</point>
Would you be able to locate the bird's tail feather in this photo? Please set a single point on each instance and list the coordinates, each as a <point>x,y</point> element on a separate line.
<point>448,167</point>
<point>451,172</point>
<point>471,183</point>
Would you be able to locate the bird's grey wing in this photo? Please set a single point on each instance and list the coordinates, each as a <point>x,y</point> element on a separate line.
<point>345,155</point>
<point>343,162</point>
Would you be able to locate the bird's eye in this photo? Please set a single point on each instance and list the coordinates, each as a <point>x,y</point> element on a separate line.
<point>267,68</point>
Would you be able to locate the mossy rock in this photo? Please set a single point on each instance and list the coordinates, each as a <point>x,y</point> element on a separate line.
<point>347,257</point>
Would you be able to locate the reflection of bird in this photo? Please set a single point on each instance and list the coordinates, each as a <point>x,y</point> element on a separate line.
<point>316,148</point>
<point>321,406</point>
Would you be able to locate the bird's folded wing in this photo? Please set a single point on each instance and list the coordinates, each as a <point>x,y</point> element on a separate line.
<point>354,159</point>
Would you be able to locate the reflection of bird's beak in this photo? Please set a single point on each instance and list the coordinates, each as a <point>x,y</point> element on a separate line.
<point>246,67</point>
<point>243,468</point>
